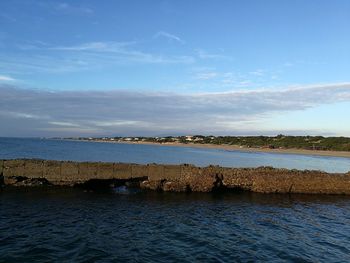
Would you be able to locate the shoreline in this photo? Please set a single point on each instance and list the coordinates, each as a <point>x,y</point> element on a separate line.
<point>237,148</point>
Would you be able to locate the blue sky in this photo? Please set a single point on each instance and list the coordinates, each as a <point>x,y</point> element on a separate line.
<point>175,49</point>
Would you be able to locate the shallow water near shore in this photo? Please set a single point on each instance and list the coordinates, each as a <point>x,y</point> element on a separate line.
<point>70,225</point>
<point>11,148</point>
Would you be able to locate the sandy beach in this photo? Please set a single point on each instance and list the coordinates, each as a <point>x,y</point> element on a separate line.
<point>242,149</point>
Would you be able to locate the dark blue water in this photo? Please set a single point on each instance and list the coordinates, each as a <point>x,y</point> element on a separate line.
<point>112,152</point>
<point>71,225</point>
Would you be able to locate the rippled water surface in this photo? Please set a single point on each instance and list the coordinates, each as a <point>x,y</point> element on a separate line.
<point>113,152</point>
<point>70,225</point>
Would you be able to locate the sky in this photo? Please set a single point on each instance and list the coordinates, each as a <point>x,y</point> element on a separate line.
<point>161,67</point>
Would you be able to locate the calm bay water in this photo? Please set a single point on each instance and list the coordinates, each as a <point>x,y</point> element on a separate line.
<point>112,152</point>
<point>70,225</point>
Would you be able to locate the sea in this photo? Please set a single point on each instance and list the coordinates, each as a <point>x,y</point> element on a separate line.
<point>59,224</point>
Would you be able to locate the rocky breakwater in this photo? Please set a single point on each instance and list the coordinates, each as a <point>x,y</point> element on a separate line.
<point>178,178</point>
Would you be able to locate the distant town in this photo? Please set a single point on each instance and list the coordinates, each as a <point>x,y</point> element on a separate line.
<point>268,142</point>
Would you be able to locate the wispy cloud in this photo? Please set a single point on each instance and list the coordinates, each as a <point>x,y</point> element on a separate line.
<point>288,64</point>
<point>56,7</point>
<point>6,78</point>
<point>32,45</point>
<point>252,79</point>
<point>258,72</point>
<point>42,57</point>
<point>64,124</point>
<point>206,75</point>
<point>212,79</point>
<point>126,113</point>
<point>302,62</point>
<point>202,54</point>
<point>7,18</point>
<point>122,52</point>
<point>169,36</point>
<point>114,47</point>
<point>73,9</point>
<point>20,115</point>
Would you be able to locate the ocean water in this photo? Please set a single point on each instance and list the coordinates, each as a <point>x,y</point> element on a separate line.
<point>143,154</point>
<point>70,225</point>
<point>117,225</point>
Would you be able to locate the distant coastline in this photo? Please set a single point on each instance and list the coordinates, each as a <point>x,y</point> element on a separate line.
<point>343,154</point>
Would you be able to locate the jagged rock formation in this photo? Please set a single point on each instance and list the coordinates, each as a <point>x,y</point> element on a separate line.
<point>178,178</point>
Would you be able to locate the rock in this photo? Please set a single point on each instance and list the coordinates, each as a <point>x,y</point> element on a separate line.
<point>170,186</point>
<point>122,171</point>
<point>139,171</point>
<point>10,180</point>
<point>1,167</point>
<point>13,168</point>
<point>152,185</point>
<point>25,181</point>
<point>176,178</point>
<point>33,168</point>
<point>52,171</point>
<point>201,179</point>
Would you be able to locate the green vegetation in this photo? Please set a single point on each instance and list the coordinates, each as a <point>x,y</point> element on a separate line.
<point>285,142</point>
<point>275,142</point>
